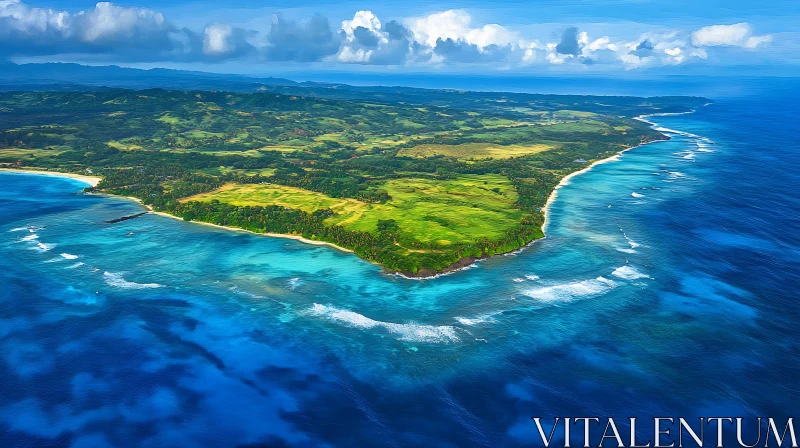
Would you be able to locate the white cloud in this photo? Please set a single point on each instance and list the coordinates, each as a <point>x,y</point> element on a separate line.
<point>603,43</point>
<point>20,17</point>
<point>755,41</point>
<point>348,55</point>
<point>447,37</point>
<point>455,24</point>
<point>107,20</point>
<point>738,35</point>
<point>216,40</point>
<point>364,19</point>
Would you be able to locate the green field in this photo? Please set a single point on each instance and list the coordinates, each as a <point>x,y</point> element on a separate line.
<point>476,151</point>
<point>426,211</point>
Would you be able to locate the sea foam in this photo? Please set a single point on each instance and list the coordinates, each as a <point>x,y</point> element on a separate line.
<point>116,280</point>
<point>628,272</point>
<point>567,292</point>
<point>407,332</point>
<point>30,237</point>
<point>477,320</point>
<point>44,247</point>
<point>69,256</point>
<point>637,195</point>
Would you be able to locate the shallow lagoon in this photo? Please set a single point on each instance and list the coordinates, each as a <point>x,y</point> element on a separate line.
<point>662,288</point>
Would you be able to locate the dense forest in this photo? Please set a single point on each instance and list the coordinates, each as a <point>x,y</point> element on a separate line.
<point>415,186</point>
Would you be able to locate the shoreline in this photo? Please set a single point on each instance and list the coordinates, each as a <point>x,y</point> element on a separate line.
<point>460,265</point>
<point>235,229</point>
<point>91,180</point>
<point>565,180</point>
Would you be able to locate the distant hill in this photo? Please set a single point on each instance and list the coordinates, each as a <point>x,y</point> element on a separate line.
<point>68,76</point>
<point>76,77</point>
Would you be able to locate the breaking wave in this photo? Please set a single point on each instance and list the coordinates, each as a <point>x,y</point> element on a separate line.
<point>44,247</point>
<point>116,280</point>
<point>477,320</point>
<point>628,272</point>
<point>76,265</point>
<point>69,256</point>
<point>637,195</point>
<point>30,237</point>
<point>567,292</point>
<point>295,282</point>
<point>407,332</point>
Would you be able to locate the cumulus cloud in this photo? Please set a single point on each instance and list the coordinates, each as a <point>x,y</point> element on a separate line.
<point>453,36</point>
<point>26,30</point>
<point>738,35</point>
<point>455,25</point>
<point>217,40</point>
<point>367,41</point>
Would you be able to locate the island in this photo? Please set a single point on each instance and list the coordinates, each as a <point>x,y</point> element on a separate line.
<point>420,181</point>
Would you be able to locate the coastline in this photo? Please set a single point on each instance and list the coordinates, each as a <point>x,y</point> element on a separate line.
<point>565,180</point>
<point>425,274</point>
<point>91,180</point>
<point>237,229</point>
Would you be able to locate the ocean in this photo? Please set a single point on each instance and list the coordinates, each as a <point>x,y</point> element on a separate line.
<point>666,286</point>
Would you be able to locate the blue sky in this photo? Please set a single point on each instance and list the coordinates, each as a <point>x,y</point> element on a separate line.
<point>469,36</point>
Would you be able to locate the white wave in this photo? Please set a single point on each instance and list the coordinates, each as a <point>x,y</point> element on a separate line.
<point>44,247</point>
<point>236,290</point>
<point>626,250</point>
<point>703,147</point>
<point>689,156</point>
<point>477,320</point>
<point>407,332</point>
<point>518,280</point>
<point>30,237</point>
<point>76,265</point>
<point>637,195</point>
<point>676,132</point>
<point>532,277</point>
<point>295,282</point>
<point>116,280</point>
<point>69,256</point>
<point>566,292</point>
<point>18,229</point>
<point>628,272</point>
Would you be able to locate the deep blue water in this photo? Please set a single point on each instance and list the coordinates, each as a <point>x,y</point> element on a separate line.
<point>666,287</point>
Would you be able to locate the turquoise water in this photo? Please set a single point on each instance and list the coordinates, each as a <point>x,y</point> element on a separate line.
<point>664,287</point>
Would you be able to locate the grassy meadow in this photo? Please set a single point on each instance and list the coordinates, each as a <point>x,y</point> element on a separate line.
<point>427,211</point>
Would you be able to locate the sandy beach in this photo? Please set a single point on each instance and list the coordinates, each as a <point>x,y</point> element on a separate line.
<point>566,179</point>
<point>236,229</point>
<point>91,180</point>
